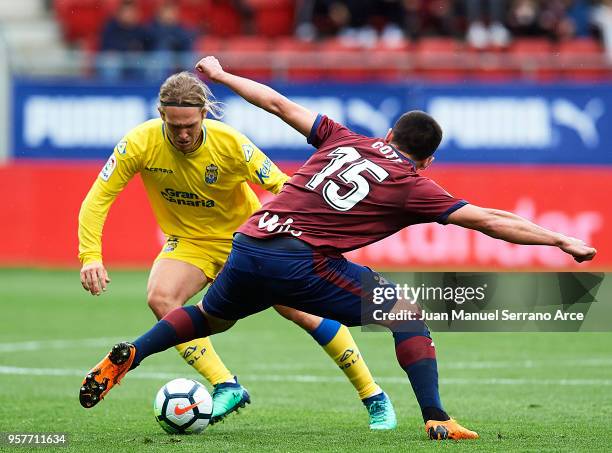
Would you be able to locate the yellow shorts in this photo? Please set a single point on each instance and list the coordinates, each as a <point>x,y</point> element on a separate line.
<point>209,256</point>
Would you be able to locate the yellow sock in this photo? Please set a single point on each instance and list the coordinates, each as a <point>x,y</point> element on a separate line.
<point>339,344</point>
<point>201,355</point>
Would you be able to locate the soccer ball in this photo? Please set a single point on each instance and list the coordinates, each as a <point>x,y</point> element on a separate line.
<point>183,406</point>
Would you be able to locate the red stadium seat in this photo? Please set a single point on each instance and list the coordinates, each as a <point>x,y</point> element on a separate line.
<point>532,46</point>
<point>222,19</point>
<point>290,44</point>
<point>215,17</point>
<point>209,45</point>
<point>535,58</point>
<point>248,44</point>
<point>296,52</point>
<point>82,20</point>
<point>438,45</point>
<point>391,63</point>
<point>343,61</point>
<point>339,45</point>
<point>273,18</point>
<point>253,52</point>
<point>584,46</point>
<point>148,8</point>
<point>491,65</point>
<point>194,13</point>
<point>583,60</point>
<point>439,59</point>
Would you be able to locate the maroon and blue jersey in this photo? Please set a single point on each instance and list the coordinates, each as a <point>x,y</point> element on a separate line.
<point>353,191</point>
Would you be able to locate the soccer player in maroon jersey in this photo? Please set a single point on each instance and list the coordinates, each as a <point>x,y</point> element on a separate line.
<point>353,191</point>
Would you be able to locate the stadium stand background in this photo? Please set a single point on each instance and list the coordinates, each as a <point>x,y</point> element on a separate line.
<point>522,90</point>
<point>323,39</point>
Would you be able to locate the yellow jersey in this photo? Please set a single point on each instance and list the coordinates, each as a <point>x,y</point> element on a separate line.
<point>202,195</point>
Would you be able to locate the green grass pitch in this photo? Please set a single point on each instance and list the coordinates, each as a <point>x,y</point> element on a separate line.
<point>521,392</point>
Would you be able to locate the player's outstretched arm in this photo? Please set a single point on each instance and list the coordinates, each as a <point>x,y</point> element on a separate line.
<point>295,115</point>
<point>518,230</point>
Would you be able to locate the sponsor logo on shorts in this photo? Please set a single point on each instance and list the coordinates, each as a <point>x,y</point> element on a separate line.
<point>186,198</point>
<point>212,174</point>
<point>109,168</point>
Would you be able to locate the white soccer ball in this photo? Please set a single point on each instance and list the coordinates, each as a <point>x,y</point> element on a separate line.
<point>183,406</point>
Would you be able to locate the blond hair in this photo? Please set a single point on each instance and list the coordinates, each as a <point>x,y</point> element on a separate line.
<point>185,88</point>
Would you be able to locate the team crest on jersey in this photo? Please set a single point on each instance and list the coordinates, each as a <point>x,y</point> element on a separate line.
<point>171,244</point>
<point>248,152</point>
<point>212,174</point>
<point>121,147</point>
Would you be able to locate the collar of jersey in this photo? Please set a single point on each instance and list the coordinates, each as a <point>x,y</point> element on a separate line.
<point>192,153</point>
<point>404,157</point>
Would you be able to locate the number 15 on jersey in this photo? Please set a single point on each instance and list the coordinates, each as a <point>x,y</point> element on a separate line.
<point>359,186</point>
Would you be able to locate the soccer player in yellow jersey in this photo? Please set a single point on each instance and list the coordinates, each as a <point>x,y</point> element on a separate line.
<point>195,171</point>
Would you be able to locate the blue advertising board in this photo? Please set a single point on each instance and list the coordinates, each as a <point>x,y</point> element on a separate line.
<point>515,124</point>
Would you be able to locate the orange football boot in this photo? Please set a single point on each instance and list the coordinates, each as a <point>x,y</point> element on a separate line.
<point>449,429</point>
<point>106,374</point>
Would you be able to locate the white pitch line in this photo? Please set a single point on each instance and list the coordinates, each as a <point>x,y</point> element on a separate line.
<point>54,344</point>
<point>51,372</point>
<point>475,365</point>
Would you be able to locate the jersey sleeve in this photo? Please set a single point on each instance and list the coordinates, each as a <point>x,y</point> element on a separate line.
<point>428,202</point>
<point>259,169</point>
<point>326,130</point>
<point>118,170</point>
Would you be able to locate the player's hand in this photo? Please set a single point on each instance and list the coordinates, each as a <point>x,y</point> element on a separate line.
<point>578,249</point>
<point>210,67</point>
<point>94,278</point>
